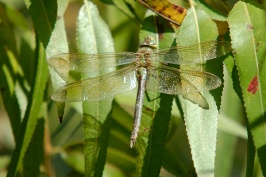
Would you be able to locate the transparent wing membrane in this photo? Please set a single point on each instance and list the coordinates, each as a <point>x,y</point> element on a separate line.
<point>176,55</point>
<point>162,78</point>
<point>98,88</point>
<point>197,53</point>
<point>90,62</point>
<point>175,81</point>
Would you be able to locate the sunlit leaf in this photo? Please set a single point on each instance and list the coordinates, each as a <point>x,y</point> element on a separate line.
<point>201,124</point>
<point>58,44</point>
<point>247,24</point>
<point>93,36</point>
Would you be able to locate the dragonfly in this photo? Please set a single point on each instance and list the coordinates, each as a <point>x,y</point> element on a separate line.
<point>147,69</point>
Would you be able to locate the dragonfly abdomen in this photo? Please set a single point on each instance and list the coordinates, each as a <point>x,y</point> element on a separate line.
<point>142,74</point>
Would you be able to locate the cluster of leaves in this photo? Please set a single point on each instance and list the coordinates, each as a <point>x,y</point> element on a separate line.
<point>44,146</point>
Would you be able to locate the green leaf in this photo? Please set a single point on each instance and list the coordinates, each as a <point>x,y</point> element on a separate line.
<point>126,162</point>
<point>43,14</point>
<point>229,126</point>
<point>157,107</point>
<point>118,147</point>
<point>7,37</point>
<point>93,36</point>
<point>35,152</point>
<point>62,5</point>
<point>201,124</point>
<point>58,44</point>
<point>31,116</point>
<point>248,32</point>
<point>217,10</point>
<point>251,153</point>
<point>126,8</point>
<point>122,125</point>
<point>177,156</point>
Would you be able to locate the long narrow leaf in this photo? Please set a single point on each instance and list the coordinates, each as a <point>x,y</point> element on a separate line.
<point>35,152</point>
<point>44,14</point>
<point>93,36</point>
<point>31,116</point>
<point>201,124</point>
<point>58,44</point>
<point>247,24</point>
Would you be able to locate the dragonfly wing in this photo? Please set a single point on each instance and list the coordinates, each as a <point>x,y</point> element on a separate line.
<point>196,53</point>
<point>197,98</point>
<point>175,81</point>
<point>98,88</point>
<point>90,62</point>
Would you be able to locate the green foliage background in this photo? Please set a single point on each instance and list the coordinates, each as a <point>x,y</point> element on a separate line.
<point>34,143</point>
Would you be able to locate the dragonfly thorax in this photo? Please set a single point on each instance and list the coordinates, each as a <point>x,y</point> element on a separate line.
<point>143,57</point>
<point>143,54</point>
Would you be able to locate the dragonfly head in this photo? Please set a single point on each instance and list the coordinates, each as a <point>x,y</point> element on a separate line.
<point>148,42</point>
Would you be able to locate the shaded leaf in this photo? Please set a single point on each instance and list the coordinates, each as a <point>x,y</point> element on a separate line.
<point>177,156</point>
<point>74,157</point>
<point>35,152</point>
<point>125,162</point>
<point>31,116</point>
<point>229,126</point>
<point>8,39</point>
<point>126,8</point>
<point>248,32</point>
<point>217,10</point>
<point>43,14</point>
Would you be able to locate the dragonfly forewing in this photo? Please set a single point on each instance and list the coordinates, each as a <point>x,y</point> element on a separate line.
<point>90,62</point>
<point>98,88</point>
<point>193,54</point>
<point>171,81</point>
